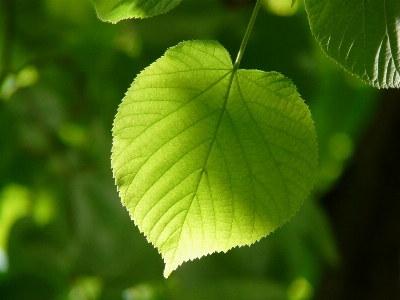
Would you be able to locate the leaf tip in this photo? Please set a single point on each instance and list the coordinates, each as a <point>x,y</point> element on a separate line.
<point>170,267</point>
<point>167,272</point>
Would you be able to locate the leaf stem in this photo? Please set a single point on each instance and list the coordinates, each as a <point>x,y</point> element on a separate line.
<point>247,35</point>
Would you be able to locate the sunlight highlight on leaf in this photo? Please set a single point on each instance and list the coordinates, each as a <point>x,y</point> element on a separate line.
<point>206,158</point>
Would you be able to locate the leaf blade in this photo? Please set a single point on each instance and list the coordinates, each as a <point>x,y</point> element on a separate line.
<point>116,10</point>
<point>196,178</point>
<point>362,36</point>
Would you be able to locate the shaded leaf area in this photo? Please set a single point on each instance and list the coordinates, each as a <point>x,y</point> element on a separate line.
<point>63,230</point>
<point>117,10</point>
<point>362,36</point>
<point>206,157</point>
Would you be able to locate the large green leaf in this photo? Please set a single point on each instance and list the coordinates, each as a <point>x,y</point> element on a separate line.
<point>361,35</point>
<point>117,10</point>
<point>207,158</point>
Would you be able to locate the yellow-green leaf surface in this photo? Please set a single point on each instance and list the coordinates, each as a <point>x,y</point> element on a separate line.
<point>207,158</point>
<point>117,10</point>
<point>361,35</point>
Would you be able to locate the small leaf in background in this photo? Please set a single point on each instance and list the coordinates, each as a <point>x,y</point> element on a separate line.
<point>282,8</point>
<point>117,10</point>
<point>207,158</point>
<point>362,36</point>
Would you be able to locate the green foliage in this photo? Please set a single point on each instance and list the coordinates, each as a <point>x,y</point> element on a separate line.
<point>181,152</point>
<point>207,157</point>
<point>362,36</point>
<point>64,233</point>
<point>117,10</point>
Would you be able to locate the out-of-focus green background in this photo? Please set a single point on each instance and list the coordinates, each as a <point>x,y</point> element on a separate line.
<point>63,232</point>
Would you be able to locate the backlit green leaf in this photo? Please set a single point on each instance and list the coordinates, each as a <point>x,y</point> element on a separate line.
<point>361,35</point>
<point>117,10</point>
<point>207,158</point>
